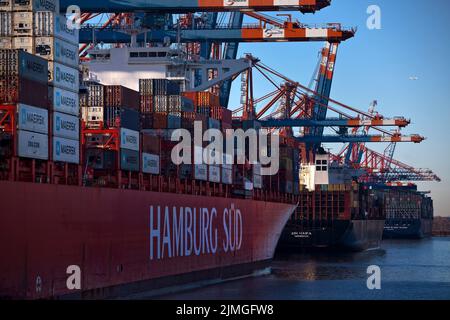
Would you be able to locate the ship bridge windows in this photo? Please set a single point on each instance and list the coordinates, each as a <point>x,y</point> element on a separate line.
<point>100,56</point>
<point>146,54</point>
<point>321,165</point>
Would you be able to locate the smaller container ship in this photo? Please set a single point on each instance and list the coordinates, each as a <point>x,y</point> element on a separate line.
<point>347,216</point>
<point>409,214</point>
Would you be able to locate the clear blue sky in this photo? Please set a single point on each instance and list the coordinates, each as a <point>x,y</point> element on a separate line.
<point>377,64</point>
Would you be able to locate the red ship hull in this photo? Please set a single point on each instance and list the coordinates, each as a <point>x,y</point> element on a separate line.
<point>120,237</point>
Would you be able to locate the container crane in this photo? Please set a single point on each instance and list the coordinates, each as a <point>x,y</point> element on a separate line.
<point>380,168</point>
<point>290,31</point>
<point>345,119</point>
<point>185,6</point>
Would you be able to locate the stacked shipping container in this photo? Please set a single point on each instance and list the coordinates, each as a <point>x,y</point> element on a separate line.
<point>20,70</point>
<point>37,27</point>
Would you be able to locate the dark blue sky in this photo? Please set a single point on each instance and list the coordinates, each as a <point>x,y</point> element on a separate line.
<point>377,64</point>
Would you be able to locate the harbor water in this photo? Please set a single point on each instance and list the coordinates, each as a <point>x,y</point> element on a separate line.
<point>410,270</point>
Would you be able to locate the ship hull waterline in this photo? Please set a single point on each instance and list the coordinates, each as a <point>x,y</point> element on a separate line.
<point>122,237</point>
<point>408,229</point>
<point>343,235</point>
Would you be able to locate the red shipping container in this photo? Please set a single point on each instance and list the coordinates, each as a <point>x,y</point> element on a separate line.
<point>159,120</point>
<point>120,96</point>
<point>203,99</point>
<point>151,144</point>
<point>16,89</point>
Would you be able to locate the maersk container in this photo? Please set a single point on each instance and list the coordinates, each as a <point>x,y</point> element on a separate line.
<point>49,24</point>
<point>23,43</point>
<point>150,163</point>
<point>57,50</point>
<point>64,101</point>
<point>35,5</point>
<point>22,24</point>
<point>32,145</point>
<point>227,175</point>
<point>201,172</point>
<point>23,64</point>
<point>116,117</point>
<point>185,171</point>
<point>129,160</point>
<point>214,174</point>
<point>32,119</point>
<point>64,77</point>
<point>66,150</point>
<point>257,181</point>
<point>66,126</point>
<point>129,139</point>
<point>6,29</point>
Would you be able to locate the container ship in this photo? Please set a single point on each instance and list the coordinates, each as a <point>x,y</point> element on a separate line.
<point>409,213</point>
<point>102,193</point>
<point>335,214</point>
<point>93,205</point>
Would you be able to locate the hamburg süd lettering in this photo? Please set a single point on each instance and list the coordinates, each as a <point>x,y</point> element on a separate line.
<point>187,231</point>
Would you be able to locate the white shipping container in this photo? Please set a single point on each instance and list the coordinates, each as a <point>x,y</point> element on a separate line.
<point>66,101</point>
<point>23,23</point>
<point>214,174</point>
<point>6,24</point>
<point>227,175</point>
<point>64,77</point>
<point>66,150</point>
<point>92,114</point>
<point>23,43</point>
<point>6,5</point>
<point>201,172</point>
<point>57,50</point>
<point>150,163</point>
<point>32,145</point>
<point>129,139</point>
<point>5,43</point>
<point>49,24</point>
<point>66,126</point>
<point>32,119</point>
<point>36,5</point>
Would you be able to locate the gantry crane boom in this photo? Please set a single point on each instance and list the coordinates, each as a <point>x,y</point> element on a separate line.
<point>184,6</point>
<point>333,122</point>
<point>330,33</point>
